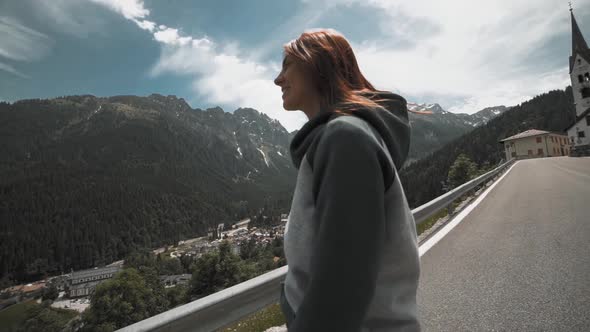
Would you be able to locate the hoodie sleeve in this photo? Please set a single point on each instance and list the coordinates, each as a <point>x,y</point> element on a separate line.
<point>348,187</point>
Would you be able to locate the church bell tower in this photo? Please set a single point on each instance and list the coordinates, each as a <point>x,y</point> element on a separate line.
<point>580,68</point>
<point>579,131</point>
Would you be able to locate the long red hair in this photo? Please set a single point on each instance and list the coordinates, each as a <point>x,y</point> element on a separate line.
<point>332,64</point>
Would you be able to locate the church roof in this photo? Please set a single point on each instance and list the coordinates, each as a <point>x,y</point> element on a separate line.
<point>579,45</point>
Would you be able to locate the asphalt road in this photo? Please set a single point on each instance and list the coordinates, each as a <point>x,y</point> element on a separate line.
<point>520,261</point>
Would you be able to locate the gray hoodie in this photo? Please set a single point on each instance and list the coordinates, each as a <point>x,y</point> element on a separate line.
<point>350,239</point>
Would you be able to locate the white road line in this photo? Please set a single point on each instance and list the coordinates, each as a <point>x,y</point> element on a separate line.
<point>448,227</point>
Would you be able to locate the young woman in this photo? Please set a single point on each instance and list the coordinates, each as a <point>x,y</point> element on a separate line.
<point>350,240</point>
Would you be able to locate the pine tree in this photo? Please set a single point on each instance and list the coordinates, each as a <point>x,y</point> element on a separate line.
<point>462,170</point>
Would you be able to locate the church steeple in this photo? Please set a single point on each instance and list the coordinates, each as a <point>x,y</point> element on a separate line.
<point>578,43</point>
<point>579,46</point>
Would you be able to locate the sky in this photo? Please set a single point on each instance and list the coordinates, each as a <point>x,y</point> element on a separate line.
<point>464,55</point>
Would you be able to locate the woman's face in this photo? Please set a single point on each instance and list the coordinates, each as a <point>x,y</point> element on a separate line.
<point>296,85</point>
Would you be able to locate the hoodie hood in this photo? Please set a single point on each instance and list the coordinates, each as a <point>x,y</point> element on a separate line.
<point>390,120</point>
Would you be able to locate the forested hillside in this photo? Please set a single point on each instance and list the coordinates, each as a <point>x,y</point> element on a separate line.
<point>86,180</point>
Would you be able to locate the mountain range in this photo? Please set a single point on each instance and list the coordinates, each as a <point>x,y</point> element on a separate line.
<point>474,120</point>
<point>432,131</point>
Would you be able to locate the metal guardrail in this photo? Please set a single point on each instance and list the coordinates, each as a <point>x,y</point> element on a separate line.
<point>234,303</point>
<point>423,212</point>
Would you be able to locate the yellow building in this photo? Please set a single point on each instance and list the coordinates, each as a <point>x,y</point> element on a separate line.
<point>535,143</point>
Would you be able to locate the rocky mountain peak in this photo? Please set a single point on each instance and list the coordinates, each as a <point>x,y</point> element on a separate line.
<point>215,110</point>
<point>248,113</point>
<point>434,108</point>
<point>170,101</point>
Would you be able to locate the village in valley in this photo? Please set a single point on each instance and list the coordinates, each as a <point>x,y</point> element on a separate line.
<point>74,289</point>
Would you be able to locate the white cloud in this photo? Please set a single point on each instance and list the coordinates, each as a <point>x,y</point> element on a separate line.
<point>170,36</point>
<point>11,70</point>
<point>146,25</point>
<point>130,9</point>
<point>20,42</point>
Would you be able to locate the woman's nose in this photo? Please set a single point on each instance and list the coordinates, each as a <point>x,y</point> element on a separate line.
<point>279,80</point>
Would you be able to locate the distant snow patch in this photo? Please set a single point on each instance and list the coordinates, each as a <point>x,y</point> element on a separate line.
<point>263,155</point>
<point>93,113</point>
